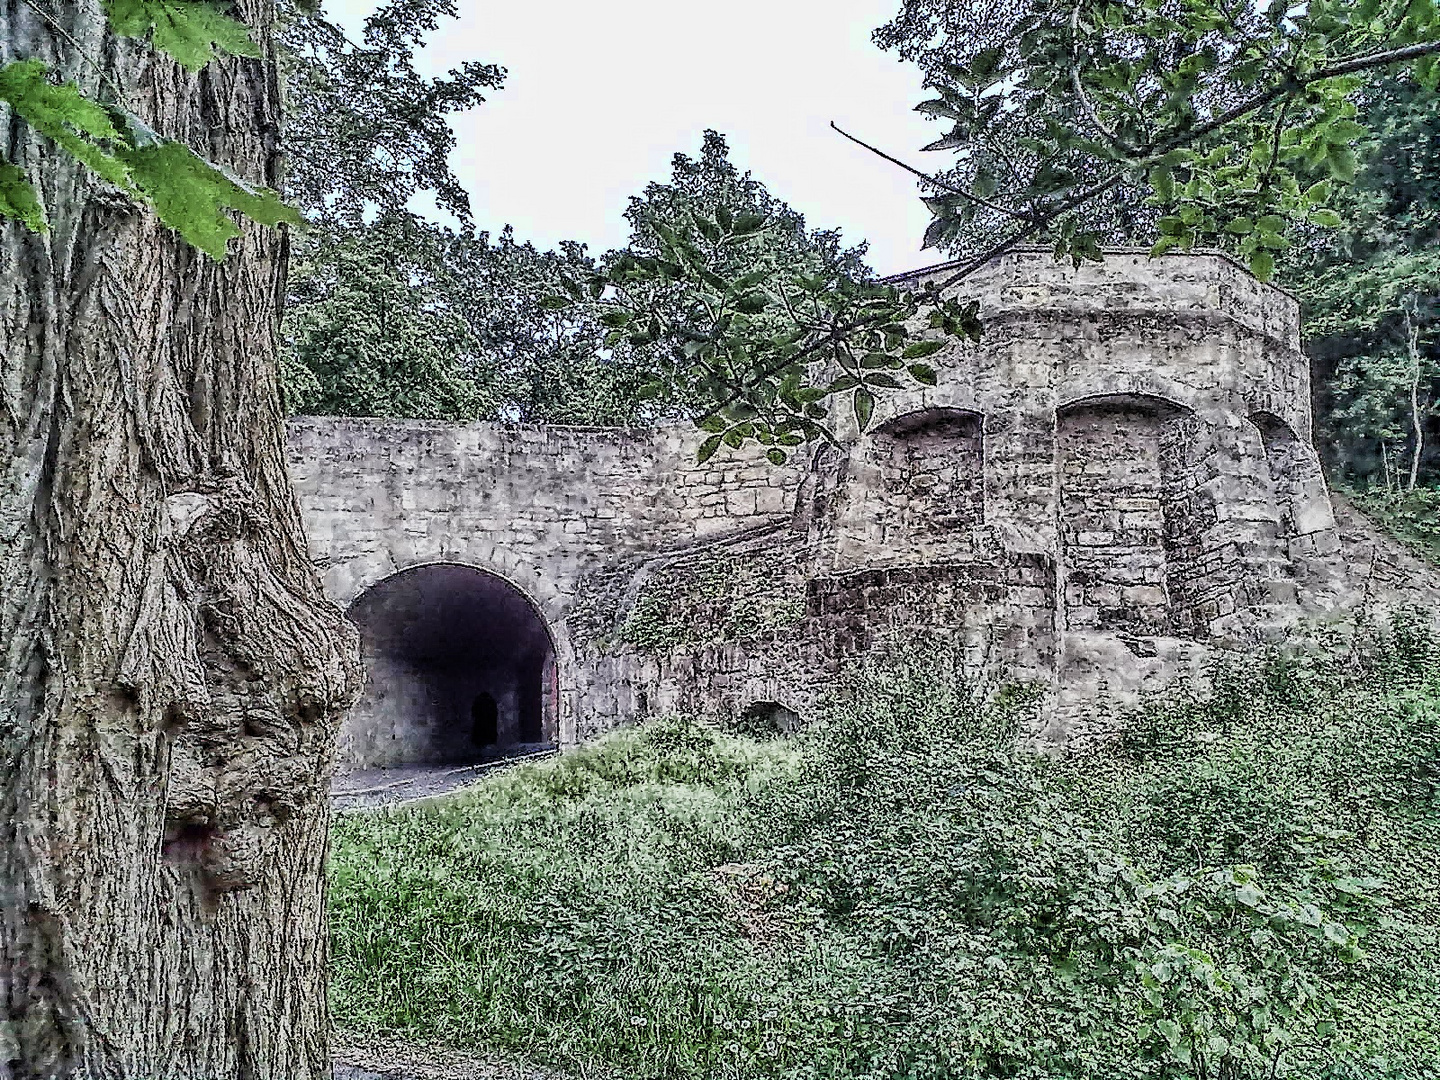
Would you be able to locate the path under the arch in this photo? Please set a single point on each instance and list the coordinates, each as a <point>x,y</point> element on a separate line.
<point>372,789</point>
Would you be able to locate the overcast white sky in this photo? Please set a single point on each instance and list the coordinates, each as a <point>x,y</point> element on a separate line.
<point>600,96</point>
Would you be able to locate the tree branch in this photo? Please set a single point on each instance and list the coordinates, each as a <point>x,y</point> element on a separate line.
<point>941,184</point>
<point>1344,67</point>
<point>1085,104</point>
<point>1036,225</point>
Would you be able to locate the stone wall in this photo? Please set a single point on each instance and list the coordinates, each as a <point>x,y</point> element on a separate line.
<point>1118,477</point>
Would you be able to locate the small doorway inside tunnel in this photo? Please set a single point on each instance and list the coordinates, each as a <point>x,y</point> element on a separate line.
<point>460,669</point>
<point>485,716</point>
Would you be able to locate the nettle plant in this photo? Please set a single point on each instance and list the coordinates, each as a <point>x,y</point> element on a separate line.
<point>188,193</point>
<point>1225,977</point>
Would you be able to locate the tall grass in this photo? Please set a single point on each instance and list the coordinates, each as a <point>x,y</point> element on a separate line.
<point>901,891</point>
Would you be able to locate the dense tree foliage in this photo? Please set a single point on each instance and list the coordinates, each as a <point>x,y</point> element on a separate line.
<point>1072,124</point>
<point>365,131</point>
<point>1216,113</point>
<point>1371,295</point>
<point>403,317</point>
<point>398,316</point>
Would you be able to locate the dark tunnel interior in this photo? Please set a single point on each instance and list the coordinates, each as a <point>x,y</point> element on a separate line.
<point>460,668</point>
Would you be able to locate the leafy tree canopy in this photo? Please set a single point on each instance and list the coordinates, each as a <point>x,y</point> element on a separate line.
<point>1217,113</point>
<point>401,317</point>
<point>366,132</point>
<point>1371,292</point>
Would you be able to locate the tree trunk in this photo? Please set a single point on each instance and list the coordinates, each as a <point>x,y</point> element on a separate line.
<point>1417,420</point>
<point>171,675</point>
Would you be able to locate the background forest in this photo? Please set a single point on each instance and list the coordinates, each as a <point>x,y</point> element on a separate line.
<point>393,314</point>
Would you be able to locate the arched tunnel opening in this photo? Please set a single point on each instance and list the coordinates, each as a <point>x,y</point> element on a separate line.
<point>460,668</point>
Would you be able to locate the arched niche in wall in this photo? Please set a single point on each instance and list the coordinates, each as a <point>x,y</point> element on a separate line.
<point>1131,525</point>
<point>917,488</point>
<point>460,668</point>
<point>1302,502</point>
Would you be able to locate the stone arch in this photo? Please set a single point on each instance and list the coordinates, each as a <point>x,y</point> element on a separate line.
<point>915,488</point>
<point>1153,385</point>
<point>1132,513</point>
<point>766,718</point>
<point>1297,482</point>
<point>462,666</point>
<point>954,393</point>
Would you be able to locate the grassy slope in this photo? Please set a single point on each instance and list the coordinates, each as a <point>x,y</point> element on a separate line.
<point>1413,518</point>
<point>898,893</point>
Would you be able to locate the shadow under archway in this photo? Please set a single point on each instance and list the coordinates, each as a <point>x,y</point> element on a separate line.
<point>460,669</point>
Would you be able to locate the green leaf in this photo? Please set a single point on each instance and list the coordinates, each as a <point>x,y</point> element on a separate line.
<point>864,407</point>
<point>1341,162</point>
<point>922,373</point>
<point>986,64</point>
<point>192,196</point>
<point>18,199</point>
<point>554,302</point>
<point>1262,264</point>
<point>708,448</point>
<point>748,222</point>
<point>916,350</point>
<point>777,456</point>
<point>938,107</point>
<point>191,31</point>
<point>61,113</point>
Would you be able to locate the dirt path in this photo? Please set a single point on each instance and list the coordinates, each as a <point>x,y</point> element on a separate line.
<point>390,1059</point>
<point>369,789</point>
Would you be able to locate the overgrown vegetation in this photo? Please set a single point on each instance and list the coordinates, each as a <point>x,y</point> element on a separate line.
<point>1370,298</point>
<point>1245,885</point>
<point>1411,516</point>
<point>726,597</point>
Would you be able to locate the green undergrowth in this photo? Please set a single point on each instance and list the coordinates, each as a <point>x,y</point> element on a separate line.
<point>1413,517</point>
<point>1246,884</point>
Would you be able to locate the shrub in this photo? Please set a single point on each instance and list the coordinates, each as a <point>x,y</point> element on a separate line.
<point>1244,885</point>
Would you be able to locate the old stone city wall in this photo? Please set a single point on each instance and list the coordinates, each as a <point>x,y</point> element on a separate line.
<point>1118,478</point>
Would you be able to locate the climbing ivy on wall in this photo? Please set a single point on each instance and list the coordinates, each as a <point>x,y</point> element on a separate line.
<point>720,597</point>
<point>728,597</point>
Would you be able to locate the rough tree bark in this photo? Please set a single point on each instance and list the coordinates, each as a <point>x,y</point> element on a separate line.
<point>170,673</point>
<point>1417,421</point>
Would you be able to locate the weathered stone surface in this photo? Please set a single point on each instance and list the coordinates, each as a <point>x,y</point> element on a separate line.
<point>1116,480</point>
